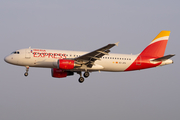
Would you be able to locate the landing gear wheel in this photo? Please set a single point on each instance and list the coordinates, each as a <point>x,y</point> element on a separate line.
<point>26,74</point>
<point>81,79</point>
<point>86,74</point>
<point>27,69</point>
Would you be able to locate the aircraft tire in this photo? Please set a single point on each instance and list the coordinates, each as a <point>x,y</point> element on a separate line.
<point>81,79</point>
<point>86,74</point>
<point>26,74</point>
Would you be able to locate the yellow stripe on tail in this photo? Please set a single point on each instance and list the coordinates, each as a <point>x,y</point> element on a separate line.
<point>161,34</point>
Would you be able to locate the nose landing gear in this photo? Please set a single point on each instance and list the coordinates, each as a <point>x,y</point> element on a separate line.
<point>26,73</point>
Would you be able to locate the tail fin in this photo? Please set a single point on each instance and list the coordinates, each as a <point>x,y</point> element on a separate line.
<point>157,46</point>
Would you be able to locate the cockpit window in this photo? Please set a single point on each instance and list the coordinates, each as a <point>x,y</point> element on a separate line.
<point>15,52</point>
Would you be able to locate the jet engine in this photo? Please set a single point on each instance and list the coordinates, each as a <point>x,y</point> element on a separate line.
<point>65,64</point>
<point>58,73</point>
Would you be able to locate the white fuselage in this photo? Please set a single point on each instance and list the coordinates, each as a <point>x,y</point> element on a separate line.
<point>48,59</point>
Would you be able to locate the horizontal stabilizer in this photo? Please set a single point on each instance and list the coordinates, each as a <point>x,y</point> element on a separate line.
<point>164,58</point>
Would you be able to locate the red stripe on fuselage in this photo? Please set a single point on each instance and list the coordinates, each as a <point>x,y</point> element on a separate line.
<point>153,51</point>
<point>142,62</point>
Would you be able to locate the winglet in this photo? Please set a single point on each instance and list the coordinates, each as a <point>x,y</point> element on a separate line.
<point>116,43</point>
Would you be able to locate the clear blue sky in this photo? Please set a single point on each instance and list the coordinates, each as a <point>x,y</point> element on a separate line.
<point>86,25</point>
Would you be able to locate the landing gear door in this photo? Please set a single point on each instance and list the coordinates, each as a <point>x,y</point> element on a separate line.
<point>27,53</point>
<point>138,61</point>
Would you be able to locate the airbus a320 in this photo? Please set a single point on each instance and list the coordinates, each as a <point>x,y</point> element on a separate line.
<point>65,63</point>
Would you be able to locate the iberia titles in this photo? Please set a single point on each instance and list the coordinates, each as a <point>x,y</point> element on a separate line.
<point>42,54</point>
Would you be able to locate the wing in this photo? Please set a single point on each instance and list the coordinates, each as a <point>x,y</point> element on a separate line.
<point>89,58</point>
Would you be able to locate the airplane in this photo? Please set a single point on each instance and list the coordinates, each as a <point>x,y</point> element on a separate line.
<point>65,63</point>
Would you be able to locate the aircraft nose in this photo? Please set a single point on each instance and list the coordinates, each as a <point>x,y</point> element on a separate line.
<point>7,59</point>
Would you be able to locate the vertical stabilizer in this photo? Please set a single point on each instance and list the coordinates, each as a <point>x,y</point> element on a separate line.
<point>157,46</point>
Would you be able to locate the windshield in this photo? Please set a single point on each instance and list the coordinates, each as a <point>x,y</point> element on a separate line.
<point>15,52</point>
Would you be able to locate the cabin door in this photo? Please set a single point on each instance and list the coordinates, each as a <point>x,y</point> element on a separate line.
<point>138,61</point>
<point>27,53</point>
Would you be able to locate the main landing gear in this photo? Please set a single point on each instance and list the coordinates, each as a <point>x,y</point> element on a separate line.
<point>26,73</point>
<point>86,74</point>
<point>81,79</point>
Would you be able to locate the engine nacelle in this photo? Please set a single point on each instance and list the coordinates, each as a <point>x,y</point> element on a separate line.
<point>58,73</point>
<point>65,64</point>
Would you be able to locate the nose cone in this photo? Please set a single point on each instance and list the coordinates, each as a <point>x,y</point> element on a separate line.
<point>7,59</point>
